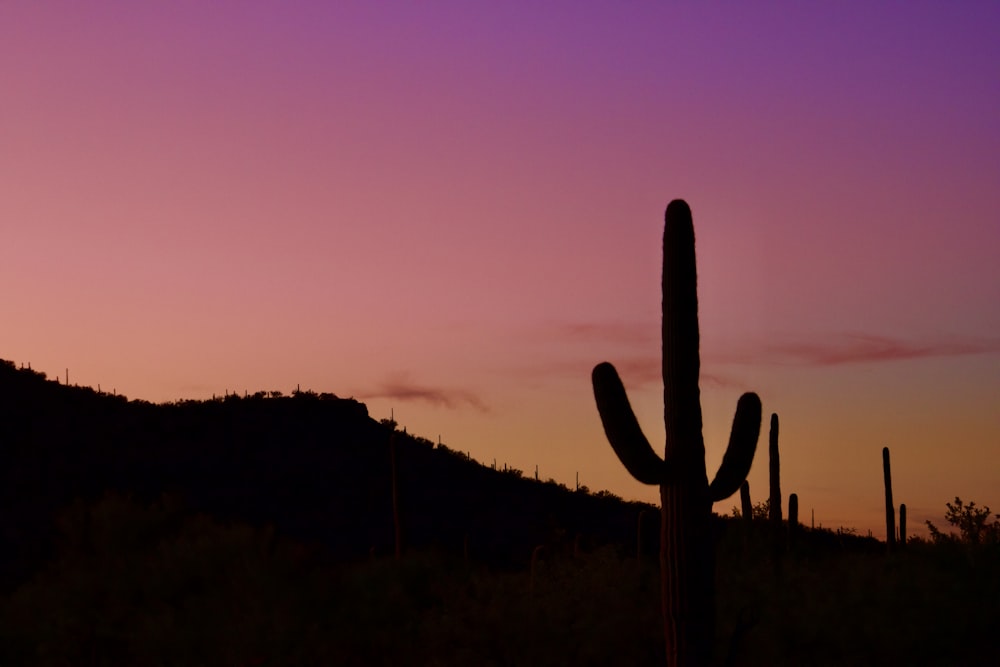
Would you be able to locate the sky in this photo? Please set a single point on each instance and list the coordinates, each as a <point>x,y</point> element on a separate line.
<point>452,211</point>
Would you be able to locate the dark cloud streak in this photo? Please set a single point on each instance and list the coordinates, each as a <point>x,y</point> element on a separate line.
<point>404,390</point>
<point>853,348</point>
<point>629,350</point>
<point>830,350</point>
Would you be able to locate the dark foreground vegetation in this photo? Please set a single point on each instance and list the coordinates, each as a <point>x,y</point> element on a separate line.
<point>260,531</point>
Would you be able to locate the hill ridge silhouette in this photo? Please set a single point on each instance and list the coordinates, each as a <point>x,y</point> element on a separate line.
<point>316,466</point>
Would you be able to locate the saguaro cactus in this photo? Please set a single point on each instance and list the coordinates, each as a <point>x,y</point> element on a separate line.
<point>890,511</point>
<point>774,460</point>
<point>687,560</point>
<point>902,524</point>
<point>793,514</point>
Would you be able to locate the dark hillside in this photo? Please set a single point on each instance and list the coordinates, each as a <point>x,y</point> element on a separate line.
<point>314,465</point>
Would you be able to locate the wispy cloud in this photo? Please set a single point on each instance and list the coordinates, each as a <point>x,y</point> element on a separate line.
<point>636,371</point>
<point>854,348</point>
<point>633,349</point>
<point>403,389</point>
<point>819,350</point>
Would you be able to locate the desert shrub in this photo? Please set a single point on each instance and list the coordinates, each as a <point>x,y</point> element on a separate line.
<point>973,523</point>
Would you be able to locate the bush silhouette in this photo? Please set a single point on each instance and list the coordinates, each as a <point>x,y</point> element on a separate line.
<point>973,523</point>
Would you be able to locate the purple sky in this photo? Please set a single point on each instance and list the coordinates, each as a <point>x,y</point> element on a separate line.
<point>454,212</point>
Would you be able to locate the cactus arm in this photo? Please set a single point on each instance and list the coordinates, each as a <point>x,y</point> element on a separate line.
<point>622,428</point>
<point>738,458</point>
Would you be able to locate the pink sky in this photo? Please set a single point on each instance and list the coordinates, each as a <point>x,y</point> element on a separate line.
<point>454,213</point>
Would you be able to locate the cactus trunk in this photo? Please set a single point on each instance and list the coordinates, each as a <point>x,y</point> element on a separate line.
<point>902,524</point>
<point>890,510</point>
<point>775,472</point>
<point>686,553</point>
<point>687,575</point>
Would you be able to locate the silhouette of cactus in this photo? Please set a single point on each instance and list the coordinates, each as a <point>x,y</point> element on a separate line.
<point>775,472</point>
<point>890,511</point>
<point>774,499</point>
<point>686,552</point>
<point>902,524</point>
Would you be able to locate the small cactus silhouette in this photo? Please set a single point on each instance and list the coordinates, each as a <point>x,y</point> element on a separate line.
<point>774,460</point>
<point>902,524</point>
<point>890,510</point>
<point>686,553</point>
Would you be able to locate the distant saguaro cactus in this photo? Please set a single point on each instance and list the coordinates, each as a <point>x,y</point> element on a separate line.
<point>774,499</point>
<point>774,460</point>
<point>687,560</point>
<point>902,524</point>
<point>890,510</point>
